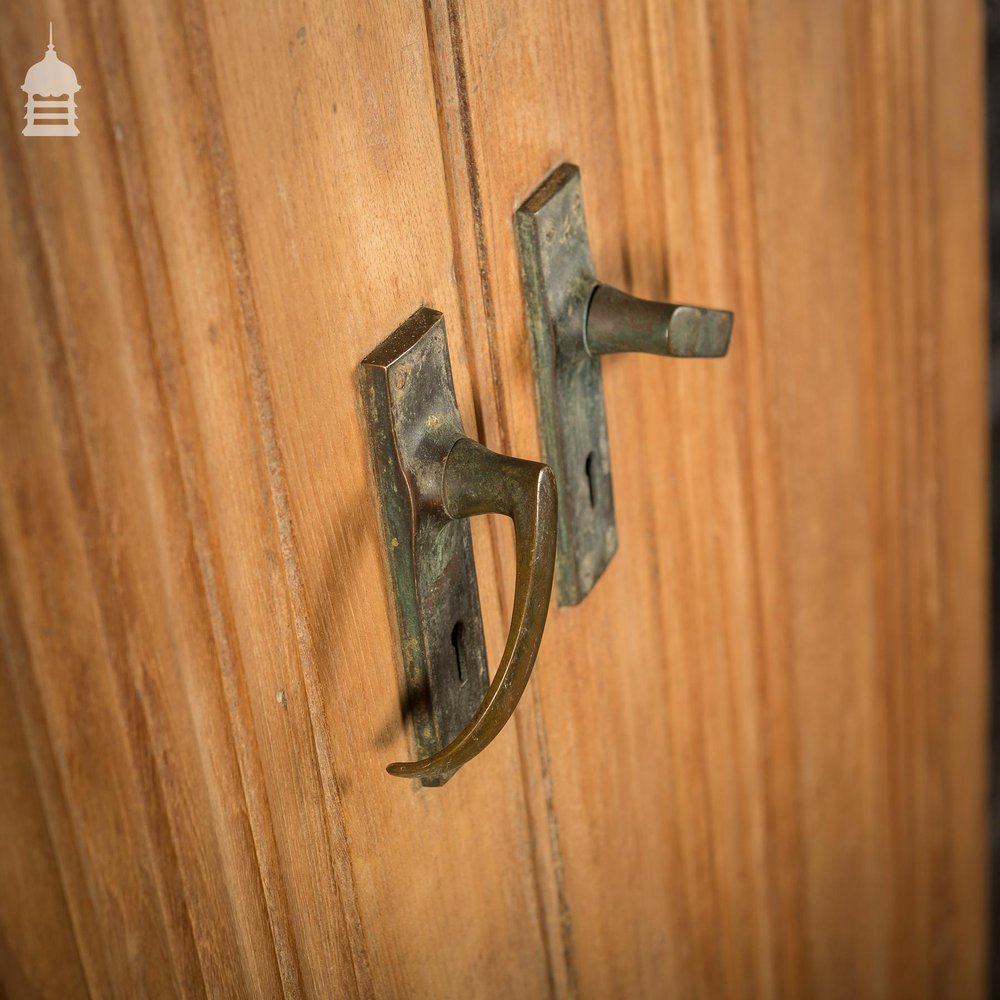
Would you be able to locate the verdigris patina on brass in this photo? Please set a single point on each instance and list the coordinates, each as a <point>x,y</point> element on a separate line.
<point>558,276</point>
<point>430,479</point>
<point>572,320</point>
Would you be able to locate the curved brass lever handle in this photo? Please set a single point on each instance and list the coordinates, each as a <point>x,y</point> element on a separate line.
<point>479,481</point>
<point>430,480</point>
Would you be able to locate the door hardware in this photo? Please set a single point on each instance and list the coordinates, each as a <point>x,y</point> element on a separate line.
<point>573,319</point>
<point>430,479</point>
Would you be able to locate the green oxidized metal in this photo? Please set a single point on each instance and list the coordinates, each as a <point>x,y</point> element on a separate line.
<point>573,319</point>
<point>558,276</point>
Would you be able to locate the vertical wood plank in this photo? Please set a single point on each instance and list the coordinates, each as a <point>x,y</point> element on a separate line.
<point>256,199</point>
<point>789,646</point>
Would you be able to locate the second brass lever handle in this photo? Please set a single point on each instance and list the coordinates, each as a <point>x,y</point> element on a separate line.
<point>479,481</point>
<point>572,320</point>
<point>616,322</point>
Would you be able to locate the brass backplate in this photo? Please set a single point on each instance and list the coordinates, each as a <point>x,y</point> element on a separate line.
<point>413,422</point>
<point>558,275</point>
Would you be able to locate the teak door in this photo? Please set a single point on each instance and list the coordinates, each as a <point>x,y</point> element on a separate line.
<point>751,762</point>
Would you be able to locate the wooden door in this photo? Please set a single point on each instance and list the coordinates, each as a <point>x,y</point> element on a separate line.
<point>751,762</point>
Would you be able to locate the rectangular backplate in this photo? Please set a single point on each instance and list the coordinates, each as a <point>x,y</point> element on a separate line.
<point>413,421</point>
<point>558,276</point>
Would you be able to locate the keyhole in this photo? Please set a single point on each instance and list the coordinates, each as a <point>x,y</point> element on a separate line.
<point>589,468</point>
<point>456,643</point>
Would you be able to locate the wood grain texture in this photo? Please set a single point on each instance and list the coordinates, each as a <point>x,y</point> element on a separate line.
<point>752,762</point>
<point>766,726</point>
<point>253,203</point>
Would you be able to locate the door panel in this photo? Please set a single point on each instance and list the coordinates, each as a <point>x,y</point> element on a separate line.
<point>765,726</point>
<point>751,762</point>
<point>188,515</point>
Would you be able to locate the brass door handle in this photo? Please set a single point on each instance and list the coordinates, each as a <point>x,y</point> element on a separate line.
<point>573,319</point>
<point>431,478</point>
<point>479,481</point>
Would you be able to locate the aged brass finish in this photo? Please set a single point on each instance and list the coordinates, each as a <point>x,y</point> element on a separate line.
<point>619,322</point>
<point>573,319</point>
<point>430,479</point>
<point>558,277</point>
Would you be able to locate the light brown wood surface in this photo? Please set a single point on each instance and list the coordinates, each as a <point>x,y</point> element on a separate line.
<point>752,762</point>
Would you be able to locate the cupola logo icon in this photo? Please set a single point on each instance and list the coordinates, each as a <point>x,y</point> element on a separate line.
<point>50,78</point>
